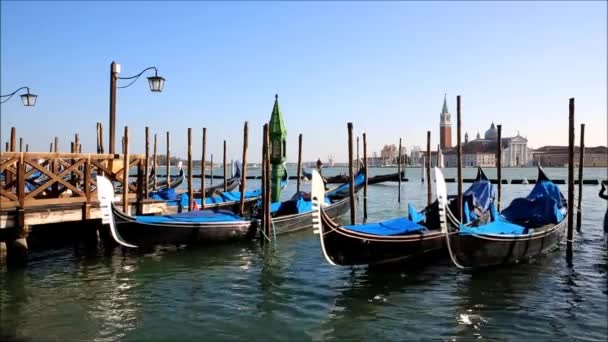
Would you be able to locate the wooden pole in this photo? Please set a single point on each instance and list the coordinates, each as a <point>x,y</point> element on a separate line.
<point>429,191</point>
<point>56,144</point>
<point>203,169</point>
<point>499,164</point>
<point>459,156</point>
<point>365,184</point>
<point>190,190</point>
<point>570,177</point>
<point>27,147</point>
<point>299,162</point>
<point>13,139</point>
<point>155,162</point>
<point>100,137</point>
<point>147,164</point>
<point>98,140</point>
<point>7,148</point>
<point>244,175</point>
<point>20,144</point>
<point>211,161</point>
<point>168,166</point>
<point>357,153</point>
<point>581,163</point>
<point>399,173</point>
<point>225,171</point>
<point>76,143</point>
<point>125,173</point>
<point>351,174</point>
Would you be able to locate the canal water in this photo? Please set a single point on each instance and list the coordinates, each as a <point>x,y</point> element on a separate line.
<point>288,292</point>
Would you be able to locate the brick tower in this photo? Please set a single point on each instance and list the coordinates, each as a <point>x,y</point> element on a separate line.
<point>445,127</point>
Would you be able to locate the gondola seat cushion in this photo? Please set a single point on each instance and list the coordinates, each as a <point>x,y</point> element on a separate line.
<point>399,226</point>
<point>164,194</point>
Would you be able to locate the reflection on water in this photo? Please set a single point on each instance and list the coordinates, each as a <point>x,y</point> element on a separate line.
<point>251,292</point>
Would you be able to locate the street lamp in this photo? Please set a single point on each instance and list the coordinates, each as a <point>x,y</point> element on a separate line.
<point>28,99</point>
<point>155,82</point>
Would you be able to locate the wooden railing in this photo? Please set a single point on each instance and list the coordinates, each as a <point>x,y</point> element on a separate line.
<point>32,179</point>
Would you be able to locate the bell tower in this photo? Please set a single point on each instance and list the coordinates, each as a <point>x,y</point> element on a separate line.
<point>445,126</point>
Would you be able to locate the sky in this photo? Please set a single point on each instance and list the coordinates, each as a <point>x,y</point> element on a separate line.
<point>384,66</point>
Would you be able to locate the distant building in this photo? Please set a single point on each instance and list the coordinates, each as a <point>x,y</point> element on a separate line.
<point>445,127</point>
<point>557,156</point>
<point>482,152</point>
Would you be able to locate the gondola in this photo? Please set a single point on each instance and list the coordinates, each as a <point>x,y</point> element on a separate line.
<point>391,177</point>
<point>195,227</point>
<point>528,227</point>
<point>294,214</point>
<point>388,241</point>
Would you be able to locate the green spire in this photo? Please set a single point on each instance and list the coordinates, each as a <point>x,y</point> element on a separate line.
<point>445,105</point>
<point>276,127</point>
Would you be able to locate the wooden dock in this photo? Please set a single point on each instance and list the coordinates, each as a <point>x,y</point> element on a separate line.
<point>42,188</point>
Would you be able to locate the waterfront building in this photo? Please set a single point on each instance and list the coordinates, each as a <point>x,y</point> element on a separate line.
<point>557,156</point>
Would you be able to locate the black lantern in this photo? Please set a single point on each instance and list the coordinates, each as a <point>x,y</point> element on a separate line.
<point>29,99</point>
<point>156,83</point>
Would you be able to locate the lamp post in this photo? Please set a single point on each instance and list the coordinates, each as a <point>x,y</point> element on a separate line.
<point>155,82</point>
<point>278,135</point>
<point>28,99</point>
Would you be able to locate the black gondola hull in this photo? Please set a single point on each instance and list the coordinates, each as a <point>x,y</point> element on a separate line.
<point>477,251</point>
<point>344,247</point>
<point>147,234</point>
<point>297,222</point>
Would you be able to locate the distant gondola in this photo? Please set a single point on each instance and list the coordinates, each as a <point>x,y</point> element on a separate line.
<point>195,227</point>
<point>392,240</point>
<point>528,227</point>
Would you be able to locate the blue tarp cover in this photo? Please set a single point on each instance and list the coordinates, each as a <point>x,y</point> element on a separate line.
<point>192,217</point>
<point>164,194</point>
<point>500,227</point>
<point>479,194</point>
<point>398,226</point>
<point>413,215</point>
<point>296,205</point>
<point>542,206</point>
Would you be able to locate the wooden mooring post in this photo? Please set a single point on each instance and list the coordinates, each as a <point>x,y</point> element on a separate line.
<point>155,162</point>
<point>429,191</point>
<point>190,190</point>
<point>399,173</point>
<point>211,170</point>
<point>147,163</point>
<point>299,163</point>
<point>203,168</point>
<point>16,248</point>
<point>244,175</point>
<point>365,184</point>
<point>268,199</point>
<point>225,171</point>
<point>499,164</point>
<point>168,166</point>
<point>125,174</point>
<point>353,217</point>
<point>581,163</point>
<point>570,178</point>
<point>459,156</point>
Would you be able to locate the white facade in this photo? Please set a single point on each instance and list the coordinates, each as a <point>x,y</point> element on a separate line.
<point>516,152</point>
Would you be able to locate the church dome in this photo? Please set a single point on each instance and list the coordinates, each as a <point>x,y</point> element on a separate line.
<point>491,133</point>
